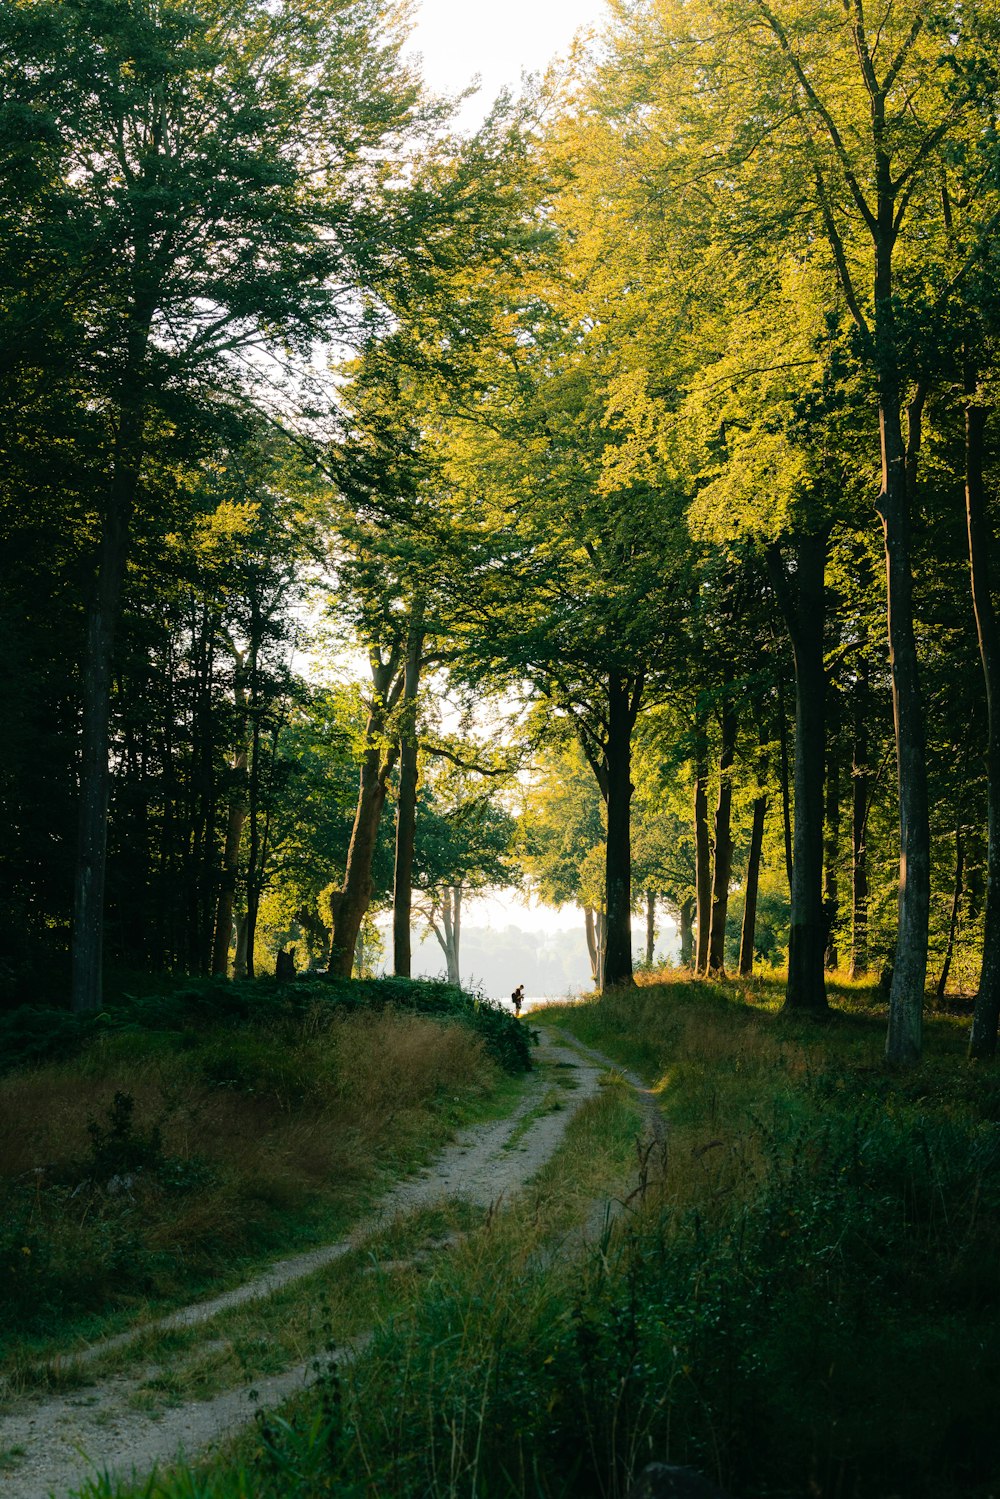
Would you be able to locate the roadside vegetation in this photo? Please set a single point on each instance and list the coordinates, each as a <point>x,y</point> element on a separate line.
<point>178,1137</point>
<point>799,1299</point>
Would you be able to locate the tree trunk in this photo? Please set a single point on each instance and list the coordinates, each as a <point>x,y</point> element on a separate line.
<point>234,834</point>
<point>956,902</point>
<point>702,851</point>
<point>590,927</point>
<point>831,846</point>
<point>804,614</point>
<point>622,708</point>
<point>602,946</point>
<point>454,964</point>
<point>686,923</point>
<point>909,972</point>
<point>749,928</point>
<point>351,902</point>
<point>983,1041</point>
<point>354,898</point>
<point>723,841</point>
<point>95,773</point>
<point>406,807</point>
<point>650,927</point>
<point>786,797</point>
<point>861,780</point>
<point>449,933</point>
<point>240,961</point>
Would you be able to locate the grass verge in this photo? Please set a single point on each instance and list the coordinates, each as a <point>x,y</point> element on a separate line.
<point>168,1157</point>
<point>804,1305</point>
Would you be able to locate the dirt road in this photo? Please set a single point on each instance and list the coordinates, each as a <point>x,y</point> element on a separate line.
<point>52,1444</point>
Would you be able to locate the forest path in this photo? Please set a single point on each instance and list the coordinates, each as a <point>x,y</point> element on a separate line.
<point>129,1418</point>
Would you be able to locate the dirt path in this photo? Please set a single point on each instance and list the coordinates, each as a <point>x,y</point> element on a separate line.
<point>50,1445</point>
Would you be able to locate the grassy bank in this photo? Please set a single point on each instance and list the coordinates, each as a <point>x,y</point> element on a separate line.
<point>803,1303</point>
<point>180,1138</point>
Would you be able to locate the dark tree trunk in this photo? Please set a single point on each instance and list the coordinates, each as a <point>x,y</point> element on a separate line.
<point>831,845</point>
<point>723,840</point>
<point>748,931</point>
<point>983,1041</point>
<point>861,781</point>
<point>406,807</point>
<point>956,904</point>
<point>623,701</point>
<point>240,959</point>
<point>254,860</point>
<point>95,774</point>
<point>804,614</point>
<point>650,927</point>
<point>234,834</point>
<point>349,905</point>
<point>786,794</point>
<point>702,851</point>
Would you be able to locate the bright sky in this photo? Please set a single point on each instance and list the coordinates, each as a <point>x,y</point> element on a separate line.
<point>497,41</point>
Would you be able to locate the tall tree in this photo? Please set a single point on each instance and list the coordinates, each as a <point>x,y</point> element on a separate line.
<point>216,208</point>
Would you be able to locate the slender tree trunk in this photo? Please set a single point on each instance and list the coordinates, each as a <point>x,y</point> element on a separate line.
<point>590,927</point>
<point>95,773</point>
<point>602,946</point>
<point>454,956</point>
<point>956,903</point>
<point>686,923</point>
<point>804,613</point>
<point>749,928</point>
<point>622,707</point>
<point>831,845</point>
<point>254,860</point>
<point>899,462</point>
<point>406,807</point>
<point>650,927</point>
<point>240,961</point>
<point>234,833</point>
<point>348,908</point>
<point>449,933</point>
<point>702,851</point>
<point>786,797</point>
<point>861,781</point>
<point>723,841</point>
<point>349,905</point>
<point>983,1042</point>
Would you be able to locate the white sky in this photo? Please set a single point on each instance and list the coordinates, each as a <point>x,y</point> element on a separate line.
<point>498,41</point>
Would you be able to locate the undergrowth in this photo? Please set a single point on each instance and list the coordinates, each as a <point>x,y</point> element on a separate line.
<point>805,1304</point>
<point>181,1143</point>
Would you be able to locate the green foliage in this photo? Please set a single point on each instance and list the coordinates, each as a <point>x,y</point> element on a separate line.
<point>29,1036</point>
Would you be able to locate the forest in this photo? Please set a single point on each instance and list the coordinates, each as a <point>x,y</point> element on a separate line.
<point>599,503</point>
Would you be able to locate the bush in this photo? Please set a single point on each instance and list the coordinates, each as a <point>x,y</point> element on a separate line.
<point>33,1035</point>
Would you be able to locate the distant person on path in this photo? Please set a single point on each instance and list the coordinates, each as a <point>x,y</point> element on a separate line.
<point>517,999</point>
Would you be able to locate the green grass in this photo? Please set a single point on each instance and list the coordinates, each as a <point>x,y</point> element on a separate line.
<point>461,1300</point>
<point>804,1303</point>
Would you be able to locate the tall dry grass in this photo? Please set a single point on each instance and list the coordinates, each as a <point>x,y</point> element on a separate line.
<point>242,1141</point>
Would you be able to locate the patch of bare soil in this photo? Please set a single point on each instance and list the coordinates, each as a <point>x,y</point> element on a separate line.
<point>51,1445</point>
